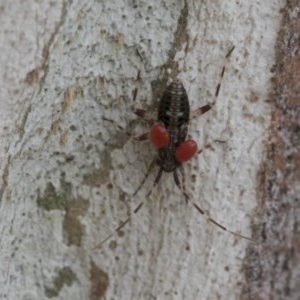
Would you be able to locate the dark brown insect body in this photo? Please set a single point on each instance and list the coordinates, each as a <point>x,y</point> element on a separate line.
<point>170,132</point>
<point>174,114</point>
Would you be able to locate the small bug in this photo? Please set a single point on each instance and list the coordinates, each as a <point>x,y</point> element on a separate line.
<point>168,135</point>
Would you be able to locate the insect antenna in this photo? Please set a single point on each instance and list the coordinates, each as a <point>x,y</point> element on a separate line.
<point>205,214</point>
<point>135,211</point>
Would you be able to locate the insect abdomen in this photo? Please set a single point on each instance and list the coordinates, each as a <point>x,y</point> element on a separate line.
<point>174,110</point>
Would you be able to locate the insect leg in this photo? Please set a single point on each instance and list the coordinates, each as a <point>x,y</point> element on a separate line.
<point>135,91</point>
<point>203,109</point>
<point>140,112</point>
<point>123,223</point>
<point>138,78</point>
<point>181,185</point>
<point>146,176</point>
<point>205,214</point>
<point>135,211</point>
<point>145,115</point>
<point>175,174</point>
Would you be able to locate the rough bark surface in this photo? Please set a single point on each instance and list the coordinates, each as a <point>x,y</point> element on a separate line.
<point>273,268</point>
<point>68,176</point>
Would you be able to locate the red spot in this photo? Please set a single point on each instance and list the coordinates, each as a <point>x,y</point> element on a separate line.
<point>159,136</point>
<point>186,150</point>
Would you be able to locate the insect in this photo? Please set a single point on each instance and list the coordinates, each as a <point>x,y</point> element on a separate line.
<point>169,136</point>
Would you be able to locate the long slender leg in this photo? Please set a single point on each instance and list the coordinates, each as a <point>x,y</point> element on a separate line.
<point>205,214</point>
<point>138,79</point>
<point>145,177</point>
<point>145,115</point>
<point>123,223</point>
<point>175,174</point>
<point>134,212</point>
<point>136,89</point>
<point>181,185</point>
<point>203,109</point>
<point>139,112</point>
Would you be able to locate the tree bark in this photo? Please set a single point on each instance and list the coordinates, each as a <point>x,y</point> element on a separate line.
<point>68,176</point>
<point>273,267</point>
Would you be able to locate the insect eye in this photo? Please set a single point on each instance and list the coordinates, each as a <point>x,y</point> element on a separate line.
<point>159,136</point>
<point>186,150</point>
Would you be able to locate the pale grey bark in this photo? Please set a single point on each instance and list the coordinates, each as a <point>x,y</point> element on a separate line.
<point>68,176</point>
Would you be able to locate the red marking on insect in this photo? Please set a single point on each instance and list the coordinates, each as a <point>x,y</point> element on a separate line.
<point>186,150</point>
<point>159,136</point>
